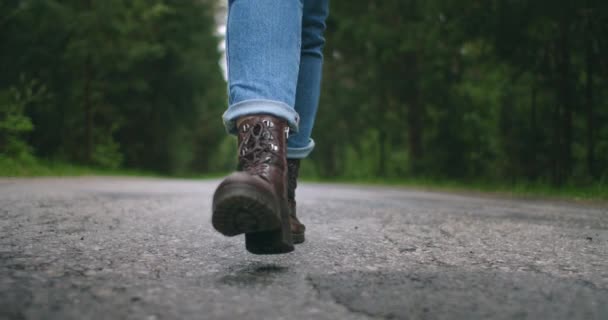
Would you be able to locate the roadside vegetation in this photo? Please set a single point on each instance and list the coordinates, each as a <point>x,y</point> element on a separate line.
<point>498,96</point>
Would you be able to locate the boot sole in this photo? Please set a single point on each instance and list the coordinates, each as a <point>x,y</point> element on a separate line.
<point>239,209</point>
<point>298,238</point>
<point>272,242</point>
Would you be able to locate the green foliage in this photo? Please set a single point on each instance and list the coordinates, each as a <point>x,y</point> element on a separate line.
<point>14,123</point>
<point>106,153</point>
<point>10,167</point>
<point>134,83</point>
<point>224,159</point>
<point>506,91</point>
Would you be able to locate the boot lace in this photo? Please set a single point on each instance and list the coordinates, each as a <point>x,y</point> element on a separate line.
<point>257,149</point>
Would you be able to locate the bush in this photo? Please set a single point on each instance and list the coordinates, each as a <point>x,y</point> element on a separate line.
<point>14,124</point>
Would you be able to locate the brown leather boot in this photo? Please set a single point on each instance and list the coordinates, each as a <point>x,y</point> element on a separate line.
<point>253,200</point>
<point>297,228</point>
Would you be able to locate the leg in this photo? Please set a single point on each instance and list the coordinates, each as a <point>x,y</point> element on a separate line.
<point>300,144</point>
<point>315,13</point>
<point>263,51</point>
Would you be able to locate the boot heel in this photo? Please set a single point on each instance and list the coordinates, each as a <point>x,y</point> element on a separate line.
<point>240,208</point>
<point>272,242</point>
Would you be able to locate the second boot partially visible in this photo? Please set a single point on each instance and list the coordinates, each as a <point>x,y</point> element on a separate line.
<point>297,228</point>
<point>253,200</point>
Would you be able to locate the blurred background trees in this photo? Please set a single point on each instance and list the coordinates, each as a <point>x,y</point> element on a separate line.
<point>504,90</point>
<point>132,83</point>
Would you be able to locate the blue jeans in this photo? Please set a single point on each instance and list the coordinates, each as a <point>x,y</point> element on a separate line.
<point>274,53</point>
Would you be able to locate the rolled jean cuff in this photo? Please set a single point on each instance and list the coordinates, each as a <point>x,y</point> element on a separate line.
<point>300,153</point>
<point>258,106</point>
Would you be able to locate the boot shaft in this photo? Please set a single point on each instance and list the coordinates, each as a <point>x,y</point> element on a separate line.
<point>262,147</point>
<point>293,171</point>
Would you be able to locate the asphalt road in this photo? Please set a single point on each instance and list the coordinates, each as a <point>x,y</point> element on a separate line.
<point>114,248</point>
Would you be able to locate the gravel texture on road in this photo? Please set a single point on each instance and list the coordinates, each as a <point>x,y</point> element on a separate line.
<point>137,248</point>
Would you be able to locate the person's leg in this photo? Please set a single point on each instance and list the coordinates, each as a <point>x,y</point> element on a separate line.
<point>263,41</point>
<point>315,13</point>
<point>263,50</point>
<point>301,144</point>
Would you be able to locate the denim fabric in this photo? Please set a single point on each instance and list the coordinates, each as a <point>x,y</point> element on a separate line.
<point>274,55</point>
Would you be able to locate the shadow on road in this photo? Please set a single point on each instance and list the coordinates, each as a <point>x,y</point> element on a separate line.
<point>255,274</point>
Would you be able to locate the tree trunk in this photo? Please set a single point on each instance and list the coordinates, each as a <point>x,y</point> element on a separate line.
<point>555,163</point>
<point>382,136</point>
<point>565,95</point>
<point>414,115</point>
<point>533,160</point>
<point>589,60</point>
<point>88,111</point>
<point>87,101</point>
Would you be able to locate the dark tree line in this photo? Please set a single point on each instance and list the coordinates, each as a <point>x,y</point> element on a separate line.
<point>506,90</point>
<point>132,83</point>
<point>501,89</point>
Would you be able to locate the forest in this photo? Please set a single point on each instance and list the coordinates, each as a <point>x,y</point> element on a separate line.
<point>497,90</point>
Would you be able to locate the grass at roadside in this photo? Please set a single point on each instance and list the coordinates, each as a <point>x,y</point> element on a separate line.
<point>593,192</point>
<point>39,168</point>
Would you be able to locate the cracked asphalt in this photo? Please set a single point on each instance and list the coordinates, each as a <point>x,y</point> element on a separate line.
<point>137,248</point>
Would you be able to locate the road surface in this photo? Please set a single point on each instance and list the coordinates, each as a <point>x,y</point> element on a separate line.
<point>115,248</point>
